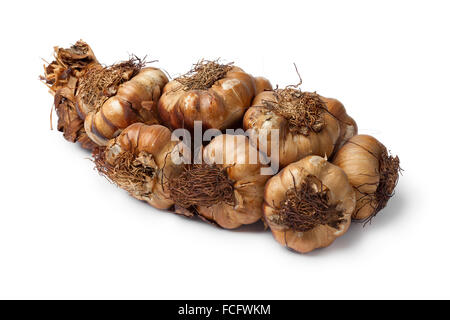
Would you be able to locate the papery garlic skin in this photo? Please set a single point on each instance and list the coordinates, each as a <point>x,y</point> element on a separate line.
<point>348,126</point>
<point>220,107</point>
<point>248,182</point>
<point>340,191</point>
<point>62,77</point>
<point>292,146</point>
<point>135,101</point>
<point>360,158</point>
<point>155,143</point>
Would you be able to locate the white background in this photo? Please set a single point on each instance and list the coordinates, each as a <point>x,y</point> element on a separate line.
<point>65,232</point>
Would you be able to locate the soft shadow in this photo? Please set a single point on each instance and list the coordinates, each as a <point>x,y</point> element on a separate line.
<point>392,212</point>
<point>359,231</point>
<point>256,227</point>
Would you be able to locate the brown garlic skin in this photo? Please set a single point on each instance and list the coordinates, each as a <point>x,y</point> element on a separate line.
<point>62,77</point>
<point>69,63</point>
<point>153,141</point>
<point>248,183</point>
<point>340,193</point>
<point>294,146</point>
<point>348,126</point>
<point>134,101</point>
<point>220,107</point>
<point>360,158</point>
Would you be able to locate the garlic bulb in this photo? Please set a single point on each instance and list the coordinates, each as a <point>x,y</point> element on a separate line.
<point>227,187</point>
<point>95,103</point>
<point>372,172</point>
<point>110,99</point>
<point>140,161</point>
<point>308,204</point>
<point>215,94</point>
<point>306,124</point>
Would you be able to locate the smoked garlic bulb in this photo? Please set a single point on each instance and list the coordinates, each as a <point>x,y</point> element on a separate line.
<point>95,103</point>
<point>140,161</point>
<point>213,93</point>
<point>62,76</point>
<point>307,124</point>
<point>109,99</point>
<point>227,188</point>
<point>372,172</point>
<point>308,204</point>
